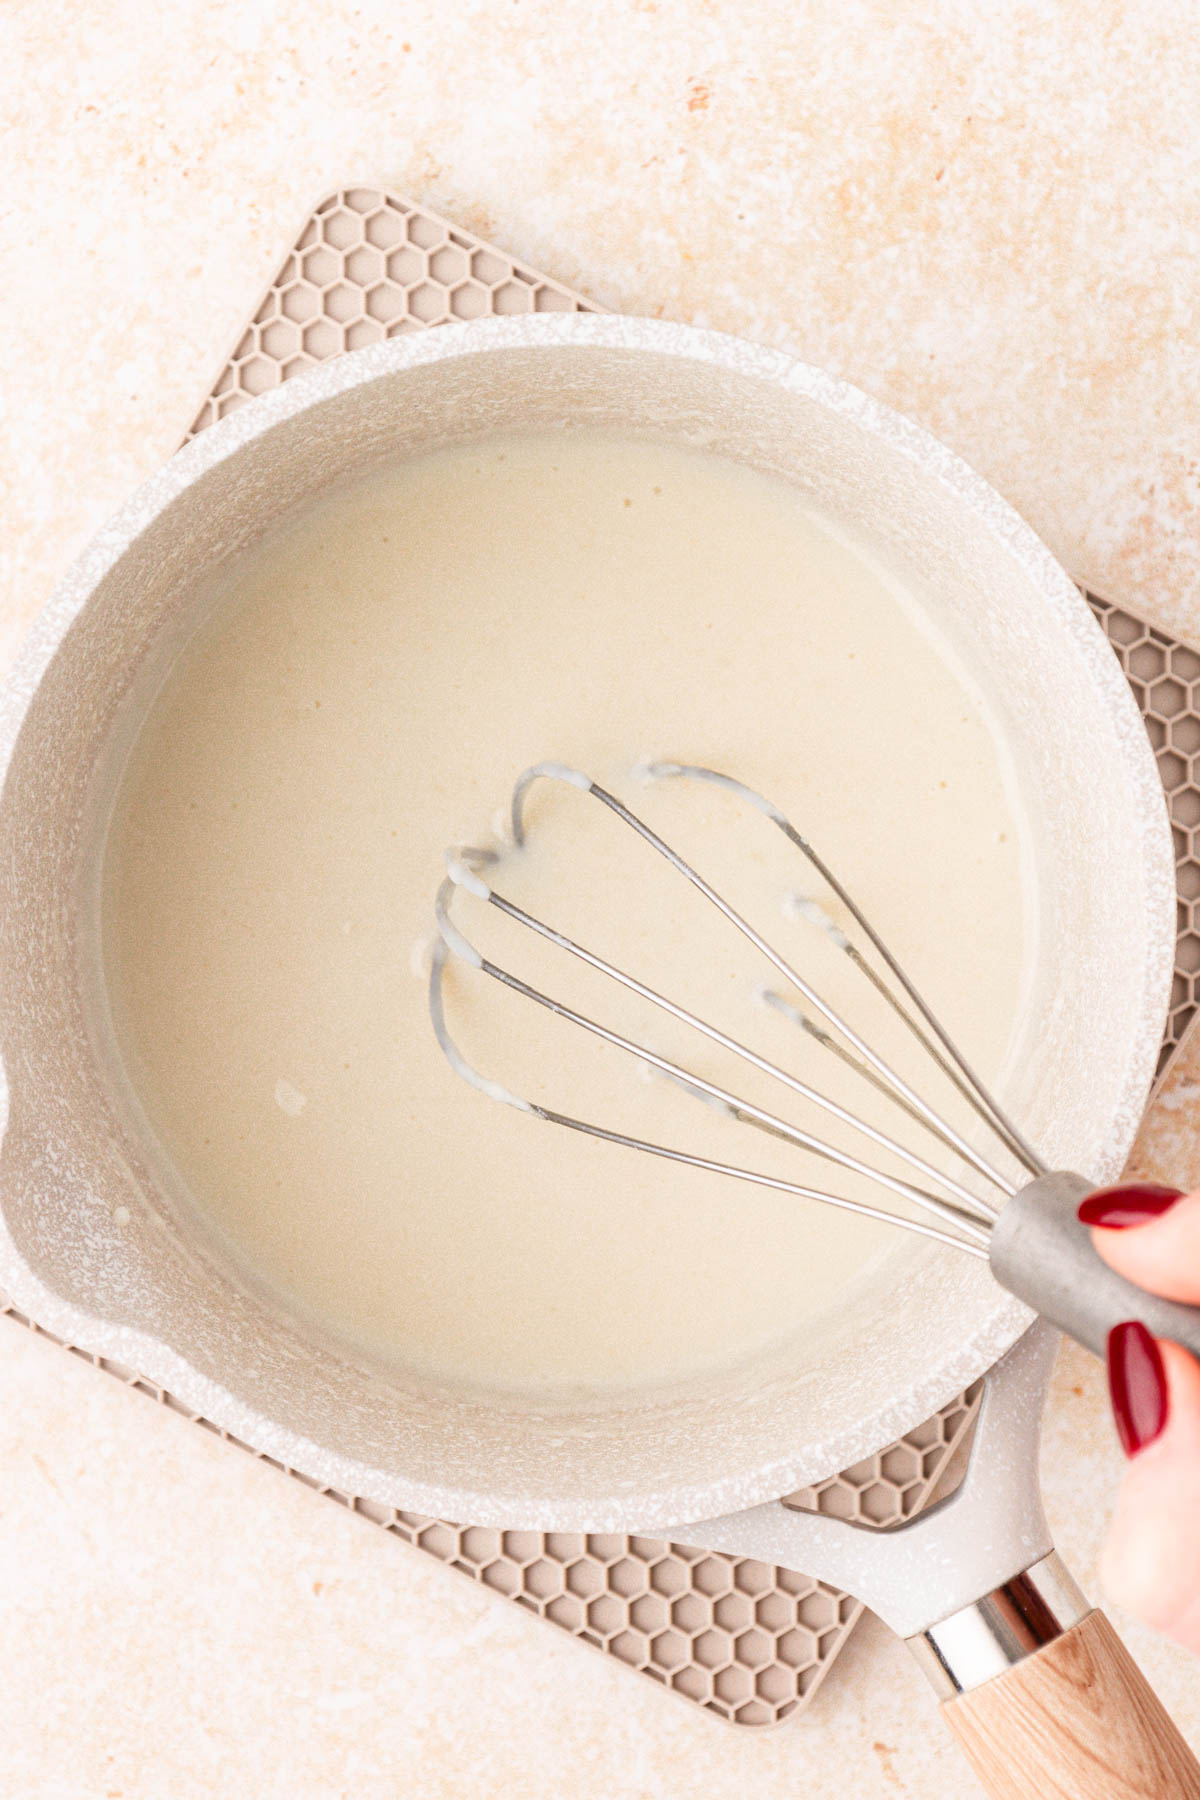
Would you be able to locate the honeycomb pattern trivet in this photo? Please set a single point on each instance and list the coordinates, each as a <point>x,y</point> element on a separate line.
<point>746,1641</point>
<point>1165,678</point>
<point>368,266</point>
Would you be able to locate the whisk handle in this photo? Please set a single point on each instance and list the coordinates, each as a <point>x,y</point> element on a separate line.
<point>1041,1253</point>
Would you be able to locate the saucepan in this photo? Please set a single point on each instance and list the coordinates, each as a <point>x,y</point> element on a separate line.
<point>94,1249</point>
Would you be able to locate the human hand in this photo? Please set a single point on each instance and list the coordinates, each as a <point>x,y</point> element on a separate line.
<point>1151,1565</point>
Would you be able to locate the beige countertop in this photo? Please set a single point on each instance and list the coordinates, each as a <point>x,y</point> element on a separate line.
<point>988,216</point>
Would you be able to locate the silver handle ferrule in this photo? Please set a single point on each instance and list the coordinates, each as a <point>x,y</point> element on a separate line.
<point>1014,1621</point>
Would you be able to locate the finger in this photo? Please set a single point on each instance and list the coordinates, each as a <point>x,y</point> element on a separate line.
<point>1159,1252</point>
<point>1151,1563</point>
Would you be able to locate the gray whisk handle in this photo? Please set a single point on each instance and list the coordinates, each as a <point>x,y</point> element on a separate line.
<point>1041,1253</point>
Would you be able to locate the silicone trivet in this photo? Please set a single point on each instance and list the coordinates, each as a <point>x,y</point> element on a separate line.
<point>744,1640</point>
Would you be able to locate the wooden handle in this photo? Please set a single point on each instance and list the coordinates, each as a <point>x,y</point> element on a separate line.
<point>1074,1721</point>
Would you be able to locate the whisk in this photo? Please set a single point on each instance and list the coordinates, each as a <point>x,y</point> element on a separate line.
<point>1023,1224</point>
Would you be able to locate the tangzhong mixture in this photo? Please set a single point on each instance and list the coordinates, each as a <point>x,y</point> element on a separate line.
<point>366,688</point>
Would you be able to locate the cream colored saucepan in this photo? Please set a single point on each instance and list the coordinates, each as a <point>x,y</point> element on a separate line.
<point>92,1249</point>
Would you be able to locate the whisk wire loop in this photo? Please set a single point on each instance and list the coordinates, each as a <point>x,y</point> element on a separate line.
<point>968,1214</point>
<point>655,771</point>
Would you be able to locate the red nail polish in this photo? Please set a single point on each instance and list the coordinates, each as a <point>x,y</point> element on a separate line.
<point>1137,1385</point>
<point>1130,1203</point>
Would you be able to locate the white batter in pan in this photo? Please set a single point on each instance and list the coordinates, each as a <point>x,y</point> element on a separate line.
<point>367,686</point>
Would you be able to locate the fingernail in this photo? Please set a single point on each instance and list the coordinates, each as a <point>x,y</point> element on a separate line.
<point>1131,1203</point>
<point>1137,1385</point>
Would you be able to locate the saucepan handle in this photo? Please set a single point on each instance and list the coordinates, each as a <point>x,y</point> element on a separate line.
<point>1042,1254</point>
<point>1074,1721</point>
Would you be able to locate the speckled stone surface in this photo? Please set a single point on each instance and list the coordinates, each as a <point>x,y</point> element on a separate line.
<point>986,217</point>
